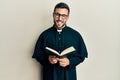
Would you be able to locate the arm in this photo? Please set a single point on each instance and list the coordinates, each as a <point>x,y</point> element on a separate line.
<point>39,53</point>
<point>79,55</point>
<point>70,61</point>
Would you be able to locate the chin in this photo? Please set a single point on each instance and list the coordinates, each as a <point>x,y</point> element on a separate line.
<point>59,27</point>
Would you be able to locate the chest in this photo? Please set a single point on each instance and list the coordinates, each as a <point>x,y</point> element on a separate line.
<point>60,41</point>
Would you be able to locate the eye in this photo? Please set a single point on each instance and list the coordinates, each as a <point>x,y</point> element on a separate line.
<point>60,15</point>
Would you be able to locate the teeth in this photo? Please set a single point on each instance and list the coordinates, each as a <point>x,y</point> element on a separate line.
<point>59,22</point>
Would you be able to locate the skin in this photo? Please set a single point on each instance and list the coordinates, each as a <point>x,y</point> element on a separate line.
<point>60,22</point>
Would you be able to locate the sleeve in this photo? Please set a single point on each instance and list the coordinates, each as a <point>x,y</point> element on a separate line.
<point>39,53</point>
<point>80,54</point>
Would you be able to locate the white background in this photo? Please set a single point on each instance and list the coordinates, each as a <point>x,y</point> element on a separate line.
<point>21,22</point>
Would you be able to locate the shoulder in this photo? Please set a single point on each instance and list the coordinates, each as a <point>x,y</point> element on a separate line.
<point>73,31</point>
<point>47,31</point>
<point>44,34</point>
<point>77,35</point>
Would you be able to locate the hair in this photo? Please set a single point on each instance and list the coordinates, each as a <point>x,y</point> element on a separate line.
<point>62,5</point>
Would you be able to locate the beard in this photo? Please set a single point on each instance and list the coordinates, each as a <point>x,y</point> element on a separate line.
<point>59,24</point>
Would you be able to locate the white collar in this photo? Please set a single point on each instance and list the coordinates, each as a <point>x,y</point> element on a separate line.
<point>59,30</point>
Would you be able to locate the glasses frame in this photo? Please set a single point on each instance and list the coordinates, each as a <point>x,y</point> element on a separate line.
<point>57,15</point>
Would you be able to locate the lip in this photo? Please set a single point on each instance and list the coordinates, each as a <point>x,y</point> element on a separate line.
<point>58,21</point>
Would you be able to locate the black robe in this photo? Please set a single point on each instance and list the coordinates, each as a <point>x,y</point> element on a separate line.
<point>60,41</point>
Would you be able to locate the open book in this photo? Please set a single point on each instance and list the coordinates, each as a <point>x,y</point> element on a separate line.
<point>64,52</point>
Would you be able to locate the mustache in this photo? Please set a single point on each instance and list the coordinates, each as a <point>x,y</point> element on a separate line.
<point>59,21</point>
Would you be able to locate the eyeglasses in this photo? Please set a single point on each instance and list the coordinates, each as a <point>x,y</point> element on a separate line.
<point>62,15</point>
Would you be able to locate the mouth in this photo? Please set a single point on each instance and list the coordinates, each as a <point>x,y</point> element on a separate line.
<point>59,21</point>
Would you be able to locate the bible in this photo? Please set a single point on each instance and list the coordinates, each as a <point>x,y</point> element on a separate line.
<point>64,52</point>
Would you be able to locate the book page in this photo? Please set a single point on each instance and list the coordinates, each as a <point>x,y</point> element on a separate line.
<point>66,51</point>
<point>52,50</point>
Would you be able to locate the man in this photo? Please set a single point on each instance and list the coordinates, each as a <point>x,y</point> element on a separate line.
<point>60,37</point>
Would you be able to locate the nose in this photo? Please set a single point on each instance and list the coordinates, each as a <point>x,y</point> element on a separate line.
<point>60,18</point>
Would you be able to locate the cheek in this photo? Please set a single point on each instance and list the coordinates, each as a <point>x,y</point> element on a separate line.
<point>55,19</point>
<point>65,20</point>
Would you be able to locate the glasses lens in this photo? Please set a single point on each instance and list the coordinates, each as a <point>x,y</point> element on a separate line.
<point>62,15</point>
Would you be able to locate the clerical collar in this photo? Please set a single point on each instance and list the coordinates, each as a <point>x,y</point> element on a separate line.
<point>60,30</point>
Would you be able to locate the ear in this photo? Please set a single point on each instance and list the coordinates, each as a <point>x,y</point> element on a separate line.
<point>53,14</point>
<point>68,17</point>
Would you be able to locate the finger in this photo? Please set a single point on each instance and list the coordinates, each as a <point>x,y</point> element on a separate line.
<point>54,60</point>
<point>53,56</point>
<point>61,60</point>
<point>63,64</point>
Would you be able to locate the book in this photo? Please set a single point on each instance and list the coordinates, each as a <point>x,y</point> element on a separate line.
<point>64,52</point>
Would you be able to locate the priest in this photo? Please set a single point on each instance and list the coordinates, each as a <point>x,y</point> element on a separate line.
<point>59,38</point>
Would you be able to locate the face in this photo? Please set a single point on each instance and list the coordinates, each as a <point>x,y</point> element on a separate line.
<point>60,17</point>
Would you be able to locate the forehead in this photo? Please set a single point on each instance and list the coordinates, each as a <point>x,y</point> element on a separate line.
<point>61,10</point>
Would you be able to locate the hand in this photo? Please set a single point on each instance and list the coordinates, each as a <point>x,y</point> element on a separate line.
<point>53,59</point>
<point>63,62</point>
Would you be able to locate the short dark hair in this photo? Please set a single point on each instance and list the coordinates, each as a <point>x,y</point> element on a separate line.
<point>62,5</point>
